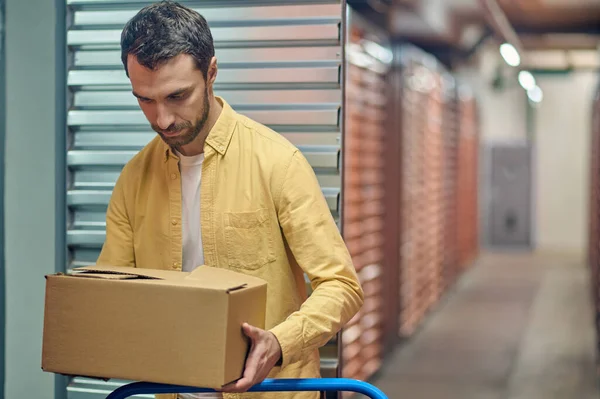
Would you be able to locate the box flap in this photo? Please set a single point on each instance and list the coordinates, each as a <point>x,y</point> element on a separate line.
<point>202,277</point>
<point>236,288</point>
<point>105,276</point>
<point>122,273</point>
<point>224,279</point>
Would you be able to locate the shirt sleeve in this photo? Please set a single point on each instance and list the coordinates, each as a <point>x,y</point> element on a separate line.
<point>117,249</point>
<point>318,247</point>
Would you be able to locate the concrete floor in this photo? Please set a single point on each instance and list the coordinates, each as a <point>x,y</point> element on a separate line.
<point>515,327</point>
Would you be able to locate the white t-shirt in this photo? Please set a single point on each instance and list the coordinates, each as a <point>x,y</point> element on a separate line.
<point>193,254</point>
<point>191,176</point>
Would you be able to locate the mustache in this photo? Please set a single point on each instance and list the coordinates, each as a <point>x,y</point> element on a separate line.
<point>173,128</point>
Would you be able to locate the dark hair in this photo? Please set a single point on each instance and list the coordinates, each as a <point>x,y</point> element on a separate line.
<point>162,31</point>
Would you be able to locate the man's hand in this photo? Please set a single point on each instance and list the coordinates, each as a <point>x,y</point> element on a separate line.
<point>265,352</point>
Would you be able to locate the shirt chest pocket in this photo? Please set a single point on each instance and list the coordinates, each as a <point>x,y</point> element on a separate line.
<point>249,239</point>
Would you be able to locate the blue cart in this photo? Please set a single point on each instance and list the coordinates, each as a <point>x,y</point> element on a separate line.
<point>268,385</point>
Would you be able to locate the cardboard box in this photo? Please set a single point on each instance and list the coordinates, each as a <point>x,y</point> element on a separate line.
<point>151,325</point>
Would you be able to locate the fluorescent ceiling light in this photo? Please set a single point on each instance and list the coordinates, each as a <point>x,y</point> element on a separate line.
<point>510,54</point>
<point>357,57</point>
<point>536,95</point>
<point>377,51</point>
<point>526,80</point>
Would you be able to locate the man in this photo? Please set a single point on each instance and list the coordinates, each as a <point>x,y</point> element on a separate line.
<point>216,188</point>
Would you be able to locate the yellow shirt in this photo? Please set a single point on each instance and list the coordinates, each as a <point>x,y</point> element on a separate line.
<point>263,214</point>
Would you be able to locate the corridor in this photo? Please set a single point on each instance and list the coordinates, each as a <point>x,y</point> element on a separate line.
<point>515,327</point>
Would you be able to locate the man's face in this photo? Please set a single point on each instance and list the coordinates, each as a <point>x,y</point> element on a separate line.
<point>174,98</point>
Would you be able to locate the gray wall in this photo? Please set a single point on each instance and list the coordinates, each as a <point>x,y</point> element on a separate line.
<point>562,137</point>
<point>560,129</point>
<point>34,185</point>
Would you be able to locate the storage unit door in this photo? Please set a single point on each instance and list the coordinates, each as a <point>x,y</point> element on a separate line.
<point>594,219</point>
<point>424,193</point>
<point>467,182</point>
<point>510,208</point>
<point>279,63</point>
<point>2,149</point>
<point>364,192</point>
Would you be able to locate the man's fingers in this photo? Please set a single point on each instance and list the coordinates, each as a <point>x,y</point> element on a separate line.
<point>241,385</point>
<point>252,372</point>
<point>251,365</point>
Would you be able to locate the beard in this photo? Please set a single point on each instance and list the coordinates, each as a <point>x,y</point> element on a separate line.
<point>189,131</point>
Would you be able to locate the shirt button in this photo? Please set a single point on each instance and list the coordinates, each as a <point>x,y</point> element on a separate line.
<point>174,222</point>
<point>175,265</point>
<point>173,176</point>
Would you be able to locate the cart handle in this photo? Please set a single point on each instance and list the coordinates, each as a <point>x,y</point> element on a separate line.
<point>268,385</point>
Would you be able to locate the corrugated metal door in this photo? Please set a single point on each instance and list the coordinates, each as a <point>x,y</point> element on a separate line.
<point>428,196</point>
<point>411,193</point>
<point>2,146</point>
<point>432,235</point>
<point>467,186</point>
<point>279,63</point>
<point>366,118</point>
<point>594,220</point>
<point>450,178</point>
<point>393,186</point>
<point>423,216</point>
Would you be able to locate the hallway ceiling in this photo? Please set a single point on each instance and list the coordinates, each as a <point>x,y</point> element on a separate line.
<point>557,15</point>
<point>554,19</point>
<point>455,28</point>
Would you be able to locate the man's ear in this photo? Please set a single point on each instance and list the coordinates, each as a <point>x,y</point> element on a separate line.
<point>211,76</point>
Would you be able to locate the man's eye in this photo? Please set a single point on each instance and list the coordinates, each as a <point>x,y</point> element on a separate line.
<point>144,100</point>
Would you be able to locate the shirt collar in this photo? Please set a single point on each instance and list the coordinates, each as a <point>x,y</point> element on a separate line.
<point>220,135</point>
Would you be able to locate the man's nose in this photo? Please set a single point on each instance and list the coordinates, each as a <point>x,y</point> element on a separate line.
<point>165,118</point>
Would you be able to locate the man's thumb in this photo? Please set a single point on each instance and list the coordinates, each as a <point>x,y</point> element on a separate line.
<point>250,331</point>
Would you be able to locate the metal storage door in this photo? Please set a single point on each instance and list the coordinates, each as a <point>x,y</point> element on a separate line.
<point>423,194</point>
<point>594,219</point>
<point>450,168</point>
<point>2,141</point>
<point>510,221</point>
<point>279,64</point>
<point>467,231</point>
<point>364,190</point>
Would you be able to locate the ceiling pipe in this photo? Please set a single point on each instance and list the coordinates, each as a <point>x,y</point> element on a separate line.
<point>379,6</point>
<point>552,41</point>
<point>469,52</point>
<point>500,24</point>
